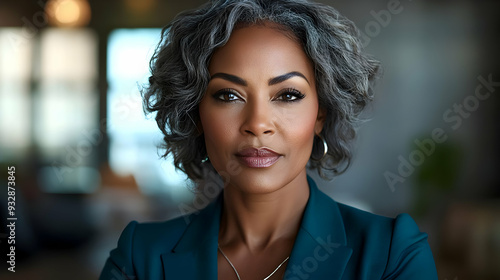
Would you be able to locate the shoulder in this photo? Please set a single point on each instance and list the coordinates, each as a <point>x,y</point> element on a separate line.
<point>140,246</point>
<point>154,234</point>
<point>158,230</point>
<point>358,221</point>
<point>393,248</point>
<point>389,232</point>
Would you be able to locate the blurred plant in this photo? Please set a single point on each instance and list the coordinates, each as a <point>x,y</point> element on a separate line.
<point>437,176</point>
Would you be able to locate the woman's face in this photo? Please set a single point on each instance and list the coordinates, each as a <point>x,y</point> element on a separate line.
<point>260,111</point>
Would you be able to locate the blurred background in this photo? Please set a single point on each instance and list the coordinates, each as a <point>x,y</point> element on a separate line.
<point>85,157</point>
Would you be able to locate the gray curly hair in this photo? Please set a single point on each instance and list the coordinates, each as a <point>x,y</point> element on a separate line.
<point>179,74</point>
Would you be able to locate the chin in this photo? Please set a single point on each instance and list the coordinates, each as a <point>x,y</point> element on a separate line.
<point>258,181</point>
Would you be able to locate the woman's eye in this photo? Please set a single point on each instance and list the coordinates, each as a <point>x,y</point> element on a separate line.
<point>226,96</point>
<point>290,95</point>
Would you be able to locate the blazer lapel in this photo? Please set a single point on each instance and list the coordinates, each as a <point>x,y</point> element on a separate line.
<point>195,254</point>
<point>320,250</point>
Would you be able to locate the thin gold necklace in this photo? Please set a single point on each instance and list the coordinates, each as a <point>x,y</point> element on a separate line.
<point>234,268</point>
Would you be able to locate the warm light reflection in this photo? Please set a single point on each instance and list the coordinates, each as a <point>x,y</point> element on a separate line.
<point>140,7</point>
<point>68,13</point>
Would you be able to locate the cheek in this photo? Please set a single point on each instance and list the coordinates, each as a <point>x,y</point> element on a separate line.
<point>218,129</point>
<point>299,127</point>
<point>211,128</point>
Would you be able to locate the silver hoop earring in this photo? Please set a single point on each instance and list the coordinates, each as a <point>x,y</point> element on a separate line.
<point>325,148</point>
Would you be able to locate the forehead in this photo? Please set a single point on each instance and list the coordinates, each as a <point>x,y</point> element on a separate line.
<point>261,51</point>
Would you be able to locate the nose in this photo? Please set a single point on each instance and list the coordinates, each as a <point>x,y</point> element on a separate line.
<point>258,119</point>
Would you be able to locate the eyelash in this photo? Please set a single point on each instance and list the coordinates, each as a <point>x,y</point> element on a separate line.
<point>293,92</point>
<point>222,92</point>
<point>287,91</point>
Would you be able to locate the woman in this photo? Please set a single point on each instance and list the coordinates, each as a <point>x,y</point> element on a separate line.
<point>258,90</point>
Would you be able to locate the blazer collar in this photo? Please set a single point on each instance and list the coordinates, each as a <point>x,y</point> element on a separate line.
<point>195,254</point>
<point>319,250</point>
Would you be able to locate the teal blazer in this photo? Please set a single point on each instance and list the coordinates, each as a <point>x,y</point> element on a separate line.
<point>334,241</point>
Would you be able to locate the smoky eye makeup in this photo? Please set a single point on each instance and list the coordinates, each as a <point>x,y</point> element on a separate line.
<point>289,95</point>
<point>226,95</point>
<point>286,95</point>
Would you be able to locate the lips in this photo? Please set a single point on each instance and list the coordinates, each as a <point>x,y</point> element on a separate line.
<point>258,158</point>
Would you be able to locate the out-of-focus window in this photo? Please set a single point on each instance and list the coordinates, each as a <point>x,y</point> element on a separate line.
<point>133,137</point>
<point>67,101</point>
<point>66,109</point>
<point>15,77</point>
<point>49,103</point>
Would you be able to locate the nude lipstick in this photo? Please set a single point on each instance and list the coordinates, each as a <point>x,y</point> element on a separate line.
<point>258,158</point>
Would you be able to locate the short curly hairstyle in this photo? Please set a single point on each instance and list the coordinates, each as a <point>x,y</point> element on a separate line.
<point>179,74</point>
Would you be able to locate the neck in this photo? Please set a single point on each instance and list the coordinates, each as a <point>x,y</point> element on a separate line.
<point>259,220</point>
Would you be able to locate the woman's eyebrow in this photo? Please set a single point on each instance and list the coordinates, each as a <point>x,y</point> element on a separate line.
<point>231,78</point>
<point>272,81</point>
<point>284,77</point>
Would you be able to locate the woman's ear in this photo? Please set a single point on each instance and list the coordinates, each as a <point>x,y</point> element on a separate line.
<point>320,121</point>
